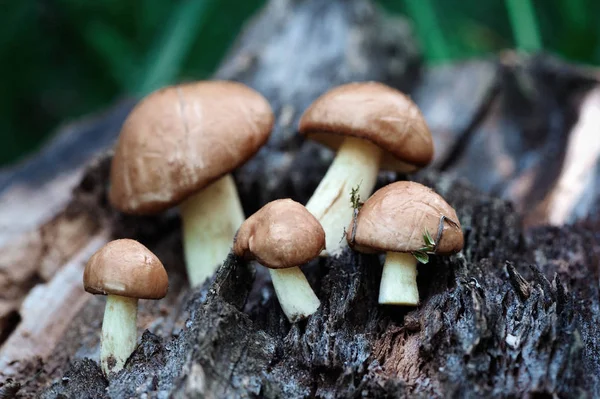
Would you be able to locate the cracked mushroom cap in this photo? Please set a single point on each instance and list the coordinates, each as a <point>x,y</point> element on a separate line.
<point>395,218</point>
<point>181,138</point>
<point>127,268</point>
<point>281,234</point>
<point>375,112</point>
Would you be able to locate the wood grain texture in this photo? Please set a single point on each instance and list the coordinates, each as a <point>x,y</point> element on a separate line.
<point>46,312</point>
<point>35,190</point>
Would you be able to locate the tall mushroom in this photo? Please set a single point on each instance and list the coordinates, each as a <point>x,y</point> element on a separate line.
<point>283,235</point>
<point>125,271</point>
<point>178,146</point>
<point>405,220</point>
<point>371,126</point>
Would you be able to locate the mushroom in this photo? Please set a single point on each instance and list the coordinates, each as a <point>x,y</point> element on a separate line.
<point>371,126</point>
<point>406,220</point>
<point>178,146</point>
<point>283,235</point>
<point>125,271</point>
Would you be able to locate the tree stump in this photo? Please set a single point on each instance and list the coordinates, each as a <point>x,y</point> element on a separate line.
<point>514,314</point>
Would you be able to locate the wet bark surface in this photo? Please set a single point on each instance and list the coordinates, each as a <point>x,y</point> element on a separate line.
<point>514,314</point>
<point>509,315</point>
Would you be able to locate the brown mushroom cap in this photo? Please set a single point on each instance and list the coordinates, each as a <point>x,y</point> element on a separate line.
<point>127,268</point>
<point>395,218</point>
<point>374,112</point>
<point>181,138</point>
<point>281,234</point>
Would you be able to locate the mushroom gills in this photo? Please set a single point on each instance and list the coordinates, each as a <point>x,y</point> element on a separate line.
<point>399,280</point>
<point>119,332</point>
<point>210,221</point>
<point>296,297</point>
<point>355,165</point>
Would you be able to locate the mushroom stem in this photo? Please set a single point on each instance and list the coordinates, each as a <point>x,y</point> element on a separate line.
<point>296,297</point>
<point>399,280</point>
<point>210,220</point>
<point>119,332</point>
<point>355,165</point>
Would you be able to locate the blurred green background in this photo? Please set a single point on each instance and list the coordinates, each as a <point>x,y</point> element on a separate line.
<point>64,58</point>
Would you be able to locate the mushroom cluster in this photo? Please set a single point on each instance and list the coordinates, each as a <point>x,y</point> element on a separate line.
<point>179,146</point>
<point>372,126</point>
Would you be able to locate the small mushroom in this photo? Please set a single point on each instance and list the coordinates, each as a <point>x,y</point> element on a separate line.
<point>178,147</point>
<point>371,126</point>
<point>283,235</point>
<point>404,219</point>
<point>125,271</point>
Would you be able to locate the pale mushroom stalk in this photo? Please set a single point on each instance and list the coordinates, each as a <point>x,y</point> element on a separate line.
<point>119,332</point>
<point>210,221</point>
<point>124,270</point>
<point>355,165</point>
<point>282,236</point>
<point>397,220</point>
<point>399,280</point>
<point>296,297</point>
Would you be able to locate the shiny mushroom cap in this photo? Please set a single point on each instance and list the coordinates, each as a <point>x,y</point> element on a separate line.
<point>396,217</point>
<point>281,234</point>
<point>179,139</point>
<point>126,268</point>
<point>374,112</point>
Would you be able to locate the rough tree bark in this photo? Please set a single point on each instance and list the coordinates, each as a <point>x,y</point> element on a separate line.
<point>514,314</point>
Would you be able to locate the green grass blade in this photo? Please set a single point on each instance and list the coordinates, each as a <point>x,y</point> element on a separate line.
<point>422,12</point>
<point>524,25</point>
<point>170,51</point>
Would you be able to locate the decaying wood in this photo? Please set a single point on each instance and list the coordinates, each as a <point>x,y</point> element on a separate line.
<point>34,191</point>
<point>47,312</point>
<point>474,334</point>
<point>573,194</point>
<point>514,314</point>
<point>34,257</point>
<point>517,147</point>
<point>38,255</point>
<point>9,317</point>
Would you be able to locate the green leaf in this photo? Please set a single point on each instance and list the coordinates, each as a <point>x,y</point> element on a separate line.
<point>422,257</point>
<point>355,197</point>
<point>428,240</point>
